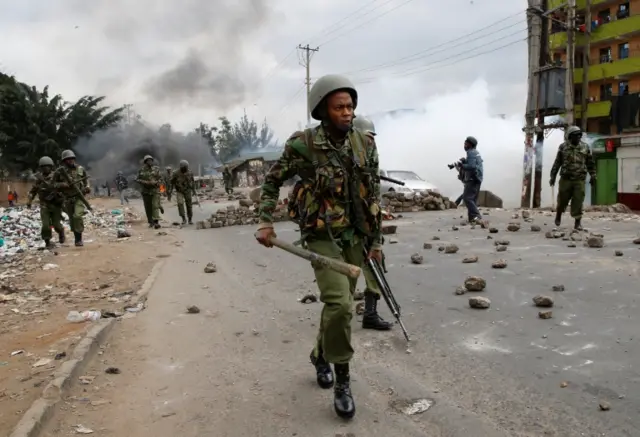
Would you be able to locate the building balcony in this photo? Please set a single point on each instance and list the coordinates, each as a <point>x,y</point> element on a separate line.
<point>617,69</point>
<point>614,30</point>
<point>594,109</point>
<point>580,4</point>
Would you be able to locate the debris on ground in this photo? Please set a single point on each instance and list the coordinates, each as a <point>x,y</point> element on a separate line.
<point>479,302</point>
<point>358,295</point>
<point>513,227</point>
<point>460,291</point>
<point>193,310</point>
<point>595,242</point>
<point>389,229</point>
<point>416,258</point>
<point>210,268</point>
<point>475,283</point>
<point>502,243</point>
<point>470,260</point>
<point>619,253</point>
<point>493,230</point>
<point>427,246</point>
<point>558,287</point>
<point>451,248</point>
<point>501,248</point>
<point>416,201</point>
<point>545,314</point>
<point>536,228</point>
<point>112,371</point>
<point>310,298</point>
<point>360,308</point>
<point>636,241</point>
<point>500,264</point>
<point>543,301</point>
<point>604,406</point>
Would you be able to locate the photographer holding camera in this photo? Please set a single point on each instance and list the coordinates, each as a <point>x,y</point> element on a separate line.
<point>460,178</point>
<point>471,171</point>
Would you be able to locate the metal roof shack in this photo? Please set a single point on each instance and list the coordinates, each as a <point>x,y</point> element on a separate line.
<point>250,169</point>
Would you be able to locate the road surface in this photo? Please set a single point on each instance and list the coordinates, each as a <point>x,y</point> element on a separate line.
<point>240,367</point>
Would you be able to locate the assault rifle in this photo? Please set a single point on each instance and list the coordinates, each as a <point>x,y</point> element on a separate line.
<point>77,189</point>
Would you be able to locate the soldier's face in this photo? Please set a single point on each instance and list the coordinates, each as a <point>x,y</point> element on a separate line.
<point>340,110</point>
<point>70,162</point>
<point>148,162</point>
<point>46,169</point>
<point>575,139</point>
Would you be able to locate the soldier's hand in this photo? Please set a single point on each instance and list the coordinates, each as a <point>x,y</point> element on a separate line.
<point>552,182</point>
<point>87,190</point>
<point>376,254</point>
<point>264,236</point>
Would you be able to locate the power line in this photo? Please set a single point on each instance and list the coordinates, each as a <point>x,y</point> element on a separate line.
<point>431,67</point>
<point>270,73</point>
<point>418,55</point>
<point>291,99</point>
<point>366,22</point>
<point>356,12</point>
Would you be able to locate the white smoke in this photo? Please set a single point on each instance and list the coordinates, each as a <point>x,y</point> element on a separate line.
<point>426,141</point>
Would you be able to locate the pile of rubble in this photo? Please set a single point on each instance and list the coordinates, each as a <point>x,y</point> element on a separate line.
<point>20,227</point>
<point>245,214</point>
<point>218,194</point>
<point>416,201</point>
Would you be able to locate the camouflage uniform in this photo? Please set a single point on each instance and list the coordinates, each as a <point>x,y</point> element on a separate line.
<point>371,319</point>
<point>574,160</point>
<point>50,201</point>
<point>167,183</point>
<point>227,177</point>
<point>73,206</point>
<point>149,178</point>
<point>184,184</point>
<point>336,204</point>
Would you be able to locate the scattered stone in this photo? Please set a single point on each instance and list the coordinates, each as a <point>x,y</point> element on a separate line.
<point>441,249</point>
<point>619,253</point>
<point>526,214</point>
<point>548,234</point>
<point>358,295</point>
<point>455,228</point>
<point>460,291</point>
<point>558,287</point>
<point>545,314</point>
<point>360,308</point>
<point>389,229</point>
<point>475,283</point>
<point>536,228</point>
<point>502,243</point>
<point>427,246</point>
<point>595,242</point>
<point>416,258</point>
<point>210,268</point>
<point>500,264</point>
<point>193,309</point>
<point>576,236</point>
<point>470,260</point>
<point>123,233</point>
<point>636,241</point>
<point>479,302</point>
<point>513,227</point>
<point>393,241</point>
<point>489,237</point>
<point>311,298</point>
<point>436,238</point>
<point>564,384</point>
<point>501,249</point>
<point>604,406</point>
<point>571,245</point>
<point>493,230</point>
<point>451,248</point>
<point>112,371</point>
<point>543,301</point>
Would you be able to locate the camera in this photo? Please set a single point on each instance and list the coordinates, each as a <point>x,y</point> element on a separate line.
<point>452,166</point>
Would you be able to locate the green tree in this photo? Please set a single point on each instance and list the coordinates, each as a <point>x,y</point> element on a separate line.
<point>229,140</point>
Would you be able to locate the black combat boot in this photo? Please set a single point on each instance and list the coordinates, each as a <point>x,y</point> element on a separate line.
<point>190,220</point>
<point>342,397</point>
<point>558,218</point>
<point>48,244</point>
<point>324,374</point>
<point>61,238</point>
<point>184,220</point>
<point>371,318</point>
<point>150,224</point>
<point>78,238</point>
<point>578,225</point>
<point>156,224</point>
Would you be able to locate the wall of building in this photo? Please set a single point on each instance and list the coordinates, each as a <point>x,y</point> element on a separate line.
<point>629,176</point>
<point>20,186</point>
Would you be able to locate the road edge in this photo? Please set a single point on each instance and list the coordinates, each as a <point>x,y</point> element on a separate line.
<point>42,409</point>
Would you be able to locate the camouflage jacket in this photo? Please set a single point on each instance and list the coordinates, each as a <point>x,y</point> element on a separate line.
<point>121,182</point>
<point>149,179</point>
<point>574,162</point>
<point>321,201</point>
<point>45,190</point>
<point>166,180</point>
<point>226,176</point>
<point>77,174</point>
<point>182,182</point>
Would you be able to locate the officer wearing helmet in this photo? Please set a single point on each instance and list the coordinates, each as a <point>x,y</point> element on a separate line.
<point>184,183</point>
<point>227,178</point>
<point>73,206</point>
<point>472,175</point>
<point>50,202</point>
<point>574,160</point>
<point>149,178</point>
<point>336,204</point>
<point>167,181</point>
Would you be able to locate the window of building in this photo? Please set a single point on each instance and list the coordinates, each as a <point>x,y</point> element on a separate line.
<point>623,50</point>
<point>577,94</point>
<point>606,91</point>
<point>623,11</point>
<point>604,126</point>
<point>605,55</point>
<point>604,16</point>
<point>623,86</point>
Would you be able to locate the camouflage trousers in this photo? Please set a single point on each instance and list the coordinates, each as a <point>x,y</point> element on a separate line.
<point>571,191</point>
<point>228,187</point>
<point>151,206</point>
<point>74,208</point>
<point>370,281</point>
<point>184,199</point>
<point>336,293</point>
<point>51,216</point>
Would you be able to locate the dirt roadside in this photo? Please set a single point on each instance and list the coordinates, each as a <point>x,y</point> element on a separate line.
<point>40,288</point>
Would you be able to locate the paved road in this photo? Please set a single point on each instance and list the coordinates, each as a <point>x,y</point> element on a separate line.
<point>240,367</point>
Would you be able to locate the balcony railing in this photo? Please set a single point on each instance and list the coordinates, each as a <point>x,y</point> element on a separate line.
<point>621,67</point>
<point>605,32</point>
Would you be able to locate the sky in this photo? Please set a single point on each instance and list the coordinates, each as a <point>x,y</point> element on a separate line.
<point>196,60</point>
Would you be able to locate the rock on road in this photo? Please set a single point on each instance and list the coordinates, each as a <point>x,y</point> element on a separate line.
<point>240,366</point>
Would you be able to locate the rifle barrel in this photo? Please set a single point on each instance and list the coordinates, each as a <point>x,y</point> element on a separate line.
<point>393,181</point>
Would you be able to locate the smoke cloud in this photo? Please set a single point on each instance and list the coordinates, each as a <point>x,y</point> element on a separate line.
<point>428,139</point>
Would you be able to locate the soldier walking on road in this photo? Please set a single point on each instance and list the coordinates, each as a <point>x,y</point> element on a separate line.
<point>574,160</point>
<point>50,202</point>
<point>371,319</point>
<point>184,183</point>
<point>122,184</point>
<point>73,205</point>
<point>227,178</point>
<point>149,178</point>
<point>338,210</point>
<point>167,182</point>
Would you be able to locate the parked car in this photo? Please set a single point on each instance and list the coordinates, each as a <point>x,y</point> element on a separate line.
<point>412,182</point>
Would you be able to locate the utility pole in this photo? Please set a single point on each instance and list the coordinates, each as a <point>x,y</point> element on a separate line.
<point>571,54</point>
<point>534,24</point>
<point>586,61</point>
<point>543,61</point>
<point>306,62</point>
